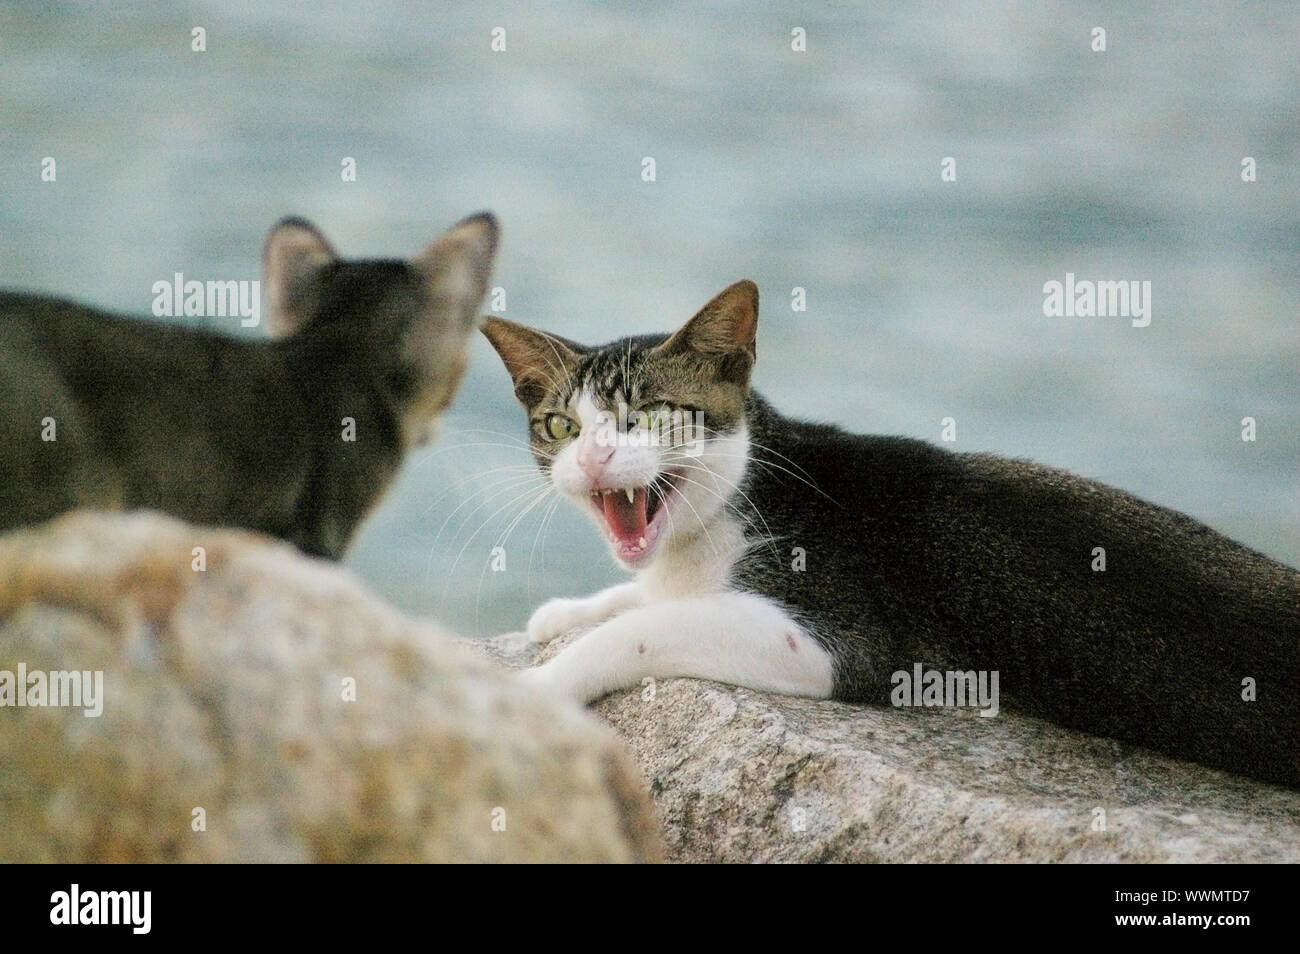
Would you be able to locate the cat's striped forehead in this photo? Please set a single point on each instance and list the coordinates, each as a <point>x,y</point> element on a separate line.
<point>617,371</point>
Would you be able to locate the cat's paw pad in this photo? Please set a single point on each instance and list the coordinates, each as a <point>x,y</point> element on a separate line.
<point>554,618</point>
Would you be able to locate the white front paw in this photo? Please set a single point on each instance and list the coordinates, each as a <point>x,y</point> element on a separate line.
<point>534,678</point>
<point>555,618</point>
<point>541,677</point>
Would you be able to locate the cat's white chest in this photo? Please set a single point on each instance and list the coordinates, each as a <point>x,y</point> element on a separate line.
<point>681,618</point>
<point>696,567</point>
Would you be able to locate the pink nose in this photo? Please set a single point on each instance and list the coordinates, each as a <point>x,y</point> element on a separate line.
<point>592,458</point>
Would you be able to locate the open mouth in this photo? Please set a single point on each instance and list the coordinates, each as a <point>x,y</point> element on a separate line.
<point>634,516</point>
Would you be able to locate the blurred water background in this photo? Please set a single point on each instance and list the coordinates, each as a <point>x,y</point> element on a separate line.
<point>817,169</point>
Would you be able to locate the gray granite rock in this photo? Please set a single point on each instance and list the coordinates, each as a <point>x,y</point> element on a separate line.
<point>745,776</point>
<point>224,690</point>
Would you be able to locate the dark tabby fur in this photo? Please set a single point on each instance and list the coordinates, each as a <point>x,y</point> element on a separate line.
<point>971,561</point>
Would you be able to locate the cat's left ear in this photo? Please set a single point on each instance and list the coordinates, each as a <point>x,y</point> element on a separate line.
<point>292,259</point>
<point>725,329</point>
<point>537,362</point>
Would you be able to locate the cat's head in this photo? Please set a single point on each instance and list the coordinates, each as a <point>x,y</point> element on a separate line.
<point>399,327</point>
<point>646,434</point>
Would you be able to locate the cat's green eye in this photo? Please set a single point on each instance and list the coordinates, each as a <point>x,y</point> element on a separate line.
<point>559,428</point>
<point>657,414</point>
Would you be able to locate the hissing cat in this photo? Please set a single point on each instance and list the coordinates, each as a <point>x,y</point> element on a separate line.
<point>104,411</point>
<point>797,558</point>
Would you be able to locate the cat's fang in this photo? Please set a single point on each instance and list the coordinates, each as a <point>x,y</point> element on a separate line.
<point>631,494</point>
<point>626,520</point>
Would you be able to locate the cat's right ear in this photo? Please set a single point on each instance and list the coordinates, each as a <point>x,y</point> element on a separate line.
<point>723,331</point>
<point>294,254</point>
<point>537,362</point>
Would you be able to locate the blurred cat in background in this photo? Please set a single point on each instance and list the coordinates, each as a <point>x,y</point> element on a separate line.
<point>297,437</point>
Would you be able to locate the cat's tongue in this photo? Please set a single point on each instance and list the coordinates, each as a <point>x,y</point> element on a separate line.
<point>625,518</point>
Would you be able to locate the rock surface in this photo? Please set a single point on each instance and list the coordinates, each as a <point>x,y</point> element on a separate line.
<point>744,776</point>
<point>224,690</point>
